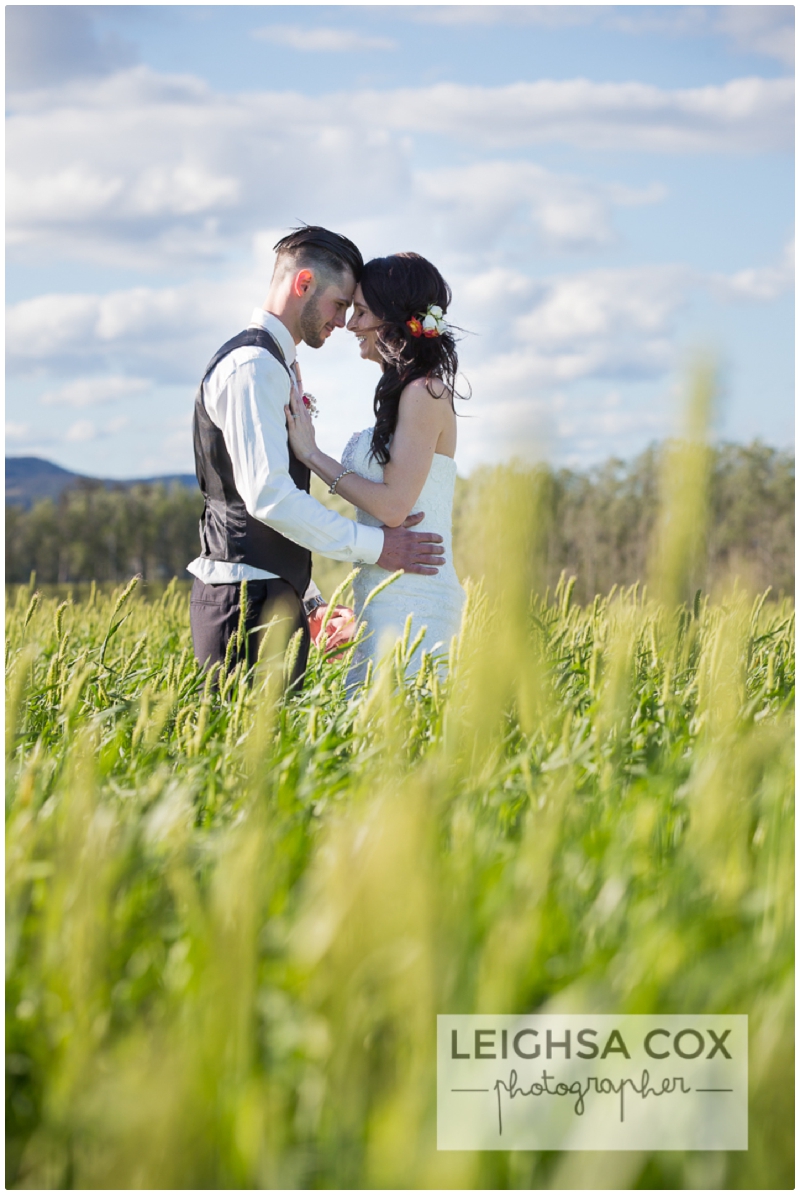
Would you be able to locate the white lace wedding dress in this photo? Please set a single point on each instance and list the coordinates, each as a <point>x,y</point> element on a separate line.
<point>434,601</point>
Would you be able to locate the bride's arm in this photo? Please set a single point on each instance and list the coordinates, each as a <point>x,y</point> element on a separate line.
<point>419,423</point>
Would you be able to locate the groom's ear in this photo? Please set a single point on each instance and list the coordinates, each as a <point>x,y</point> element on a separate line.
<point>303,283</point>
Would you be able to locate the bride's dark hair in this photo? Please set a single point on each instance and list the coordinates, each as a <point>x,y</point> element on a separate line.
<point>397,289</point>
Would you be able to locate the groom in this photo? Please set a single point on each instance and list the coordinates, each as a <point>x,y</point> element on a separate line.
<point>259,523</point>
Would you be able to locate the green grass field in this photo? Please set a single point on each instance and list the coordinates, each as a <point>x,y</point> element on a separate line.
<point>233,918</point>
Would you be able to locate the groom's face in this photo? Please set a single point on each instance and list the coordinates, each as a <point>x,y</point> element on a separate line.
<point>326,308</point>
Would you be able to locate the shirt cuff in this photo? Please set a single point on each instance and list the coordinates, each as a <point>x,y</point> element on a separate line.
<point>369,543</point>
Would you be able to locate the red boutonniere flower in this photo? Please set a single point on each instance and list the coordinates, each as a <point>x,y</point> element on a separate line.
<point>415,326</point>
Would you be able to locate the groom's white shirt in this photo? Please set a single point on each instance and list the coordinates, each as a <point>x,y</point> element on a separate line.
<point>244,397</point>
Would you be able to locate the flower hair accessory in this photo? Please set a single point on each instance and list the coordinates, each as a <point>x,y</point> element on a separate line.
<point>432,323</point>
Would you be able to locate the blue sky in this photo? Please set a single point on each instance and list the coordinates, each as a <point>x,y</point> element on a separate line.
<point>608,190</point>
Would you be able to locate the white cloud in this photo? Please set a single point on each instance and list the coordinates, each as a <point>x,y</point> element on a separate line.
<point>75,191</point>
<point>544,343</point>
<point>163,333</point>
<point>612,323</point>
<point>559,331</point>
<point>17,431</point>
<point>761,283</point>
<point>565,425</point>
<point>163,173</point>
<point>92,391</point>
<point>500,285</point>
<point>81,431</point>
<point>47,44</point>
<point>483,202</point>
<point>764,29</point>
<point>138,169</point>
<point>750,28</point>
<point>85,430</point>
<point>550,15</point>
<point>744,115</point>
<point>611,424</point>
<point>588,307</point>
<point>321,40</point>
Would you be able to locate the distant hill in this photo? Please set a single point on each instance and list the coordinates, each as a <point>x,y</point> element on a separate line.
<point>30,478</point>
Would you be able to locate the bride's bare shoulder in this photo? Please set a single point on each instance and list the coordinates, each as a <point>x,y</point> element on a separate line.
<point>427,410</point>
<point>426,388</point>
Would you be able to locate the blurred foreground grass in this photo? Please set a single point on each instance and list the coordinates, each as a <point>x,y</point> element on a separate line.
<point>232,920</point>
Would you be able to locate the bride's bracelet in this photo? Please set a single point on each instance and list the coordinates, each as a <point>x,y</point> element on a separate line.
<point>333,485</point>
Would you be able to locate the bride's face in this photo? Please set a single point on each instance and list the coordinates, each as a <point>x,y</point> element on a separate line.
<point>365,326</point>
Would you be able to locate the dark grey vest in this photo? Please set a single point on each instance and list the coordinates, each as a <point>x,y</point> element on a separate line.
<point>227,531</point>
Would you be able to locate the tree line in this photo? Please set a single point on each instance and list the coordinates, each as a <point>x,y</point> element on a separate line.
<point>598,525</point>
<point>97,533</point>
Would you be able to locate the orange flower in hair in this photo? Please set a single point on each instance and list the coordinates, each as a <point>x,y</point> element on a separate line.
<point>415,326</point>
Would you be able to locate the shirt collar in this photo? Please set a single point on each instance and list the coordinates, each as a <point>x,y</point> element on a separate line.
<point>271,323</point>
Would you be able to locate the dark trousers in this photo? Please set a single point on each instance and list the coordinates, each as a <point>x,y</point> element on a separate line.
<point>214,614</point>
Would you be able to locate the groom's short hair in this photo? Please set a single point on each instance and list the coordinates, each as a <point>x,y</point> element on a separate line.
<point>312,247</point>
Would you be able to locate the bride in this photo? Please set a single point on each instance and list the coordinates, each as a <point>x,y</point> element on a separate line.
<point>405,462</point>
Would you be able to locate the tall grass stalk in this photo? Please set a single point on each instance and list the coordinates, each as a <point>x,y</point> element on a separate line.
<point>234,916</point>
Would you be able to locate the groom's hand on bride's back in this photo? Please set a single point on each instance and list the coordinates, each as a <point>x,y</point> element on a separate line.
<point>412,551</point>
